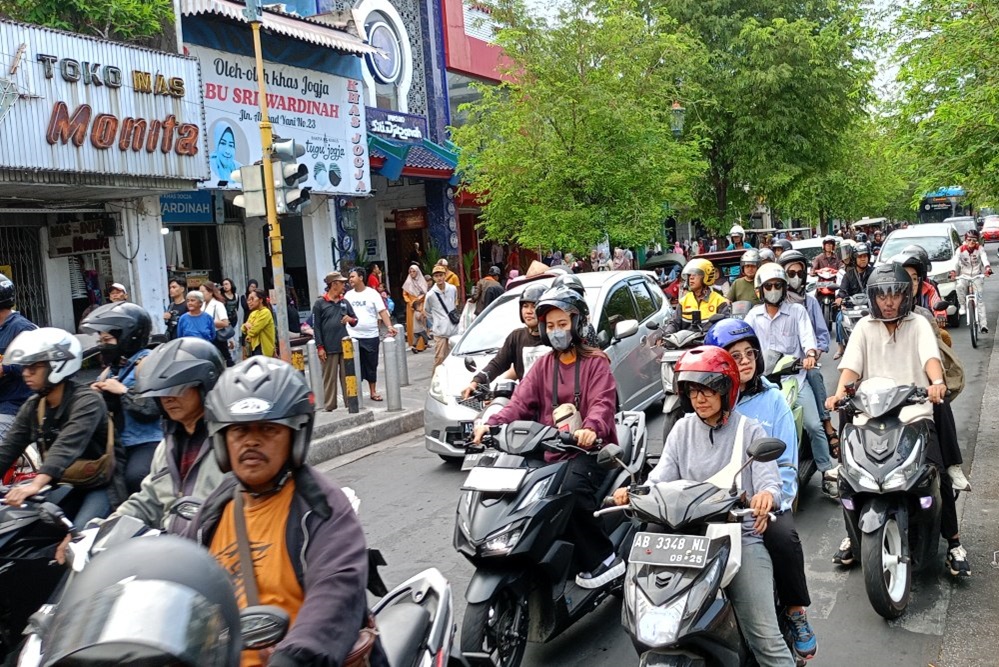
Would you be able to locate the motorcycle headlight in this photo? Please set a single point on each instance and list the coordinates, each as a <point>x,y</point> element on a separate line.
<point>503,541</point>
<point>863,478</point>
<point>666,371</point>
<point>538,491</point>
<point>659,626</point>
<point>896,479</point>
<point>438,385</point>
<point>703,587</point>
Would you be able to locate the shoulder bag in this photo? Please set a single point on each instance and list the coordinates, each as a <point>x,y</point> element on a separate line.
<point>451,314</point>
<point>84,473</point>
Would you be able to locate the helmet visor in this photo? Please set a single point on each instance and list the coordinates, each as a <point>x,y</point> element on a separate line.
<point>890,300</point>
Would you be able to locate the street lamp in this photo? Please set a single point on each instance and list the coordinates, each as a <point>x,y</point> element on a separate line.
<point>676,116</point>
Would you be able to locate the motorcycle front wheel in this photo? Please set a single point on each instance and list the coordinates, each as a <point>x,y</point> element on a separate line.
<point>888,579</point>
<point>497,627</point>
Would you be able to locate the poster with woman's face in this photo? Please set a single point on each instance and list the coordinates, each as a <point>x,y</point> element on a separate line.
<point>228,150</point>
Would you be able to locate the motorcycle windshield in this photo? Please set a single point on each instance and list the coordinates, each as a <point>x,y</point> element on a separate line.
<point>524,437</point>
<point>678,503</point>
<point>879,396</point>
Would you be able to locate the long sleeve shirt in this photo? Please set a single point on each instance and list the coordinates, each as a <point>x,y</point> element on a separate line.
<point>854,281</point>
<point>770,409</point>
<point>789,331</point>
<point>260,331</point>
<point>819,326</point>
<point>13,391</point>
<point>970,262</point>
<point>327,326</point>
<point>516,347</point>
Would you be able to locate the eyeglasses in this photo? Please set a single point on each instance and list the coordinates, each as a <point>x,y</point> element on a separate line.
<point>749,356</point>
<point>795,274</point>
<point>770,287</point>
<point>693,390</point>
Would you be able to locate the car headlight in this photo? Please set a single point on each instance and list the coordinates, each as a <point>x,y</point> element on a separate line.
<point>666,372</point>
<point>438,385</point>
<point>659,626</point>
<point>538,491</point>
<point>503,541</point>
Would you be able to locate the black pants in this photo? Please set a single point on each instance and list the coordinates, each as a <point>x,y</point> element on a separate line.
<point>367,356</point>
<point>950,448</point>
<point>782,541</point>
<point>138,461</point>
<point>583,478</point>
<point>948,504</point>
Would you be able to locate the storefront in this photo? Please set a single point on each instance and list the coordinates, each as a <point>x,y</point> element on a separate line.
<point>91,132</point>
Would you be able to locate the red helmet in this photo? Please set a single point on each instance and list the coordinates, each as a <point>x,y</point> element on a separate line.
<point>712,367</point>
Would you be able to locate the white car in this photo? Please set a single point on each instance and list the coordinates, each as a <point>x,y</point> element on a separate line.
<point>941,241</point>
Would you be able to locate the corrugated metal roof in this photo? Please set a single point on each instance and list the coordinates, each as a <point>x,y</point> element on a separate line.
<point>285,24</point>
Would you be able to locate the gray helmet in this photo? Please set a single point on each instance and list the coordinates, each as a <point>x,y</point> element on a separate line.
<point>888,279</point>
<point>792,256</point>
<point>177,365</point>
<point>750,257</point>
<point>261,389</point>
<point>862,249</point>
<point>783,244</point>
<point>767,255</point>
<point>494,271</point>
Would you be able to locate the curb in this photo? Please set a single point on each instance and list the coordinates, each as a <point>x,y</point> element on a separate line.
<point>363,416</point>
<point>338,440</point>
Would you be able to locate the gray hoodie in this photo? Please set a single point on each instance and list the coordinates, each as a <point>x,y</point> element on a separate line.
<point>694,451</point>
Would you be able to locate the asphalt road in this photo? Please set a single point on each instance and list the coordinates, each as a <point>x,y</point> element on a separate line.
<point>408,506</point>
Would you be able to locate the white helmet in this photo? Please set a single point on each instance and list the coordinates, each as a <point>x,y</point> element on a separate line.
<point>61,349</point>
<point>737,230</point>
<point>767,273</point>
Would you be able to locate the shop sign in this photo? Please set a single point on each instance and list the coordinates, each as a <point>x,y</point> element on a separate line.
<point>75,237</point>
<point>405,127</point>
<point>78,104</point>
<point>188,208</point>
<point>322,112</point>
<point>411,218</point>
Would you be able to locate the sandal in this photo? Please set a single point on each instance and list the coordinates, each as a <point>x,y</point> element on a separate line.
<point>838,355</point>
<point>377,397</point>
<point>833,445</point>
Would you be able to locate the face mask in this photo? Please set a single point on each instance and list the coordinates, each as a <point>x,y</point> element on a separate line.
<point>110,353</point>
<point>773,297</point>
<point>795,282</point>
<point>560,339</point>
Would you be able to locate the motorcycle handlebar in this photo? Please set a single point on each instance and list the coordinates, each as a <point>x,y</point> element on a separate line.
<point>740,513</point>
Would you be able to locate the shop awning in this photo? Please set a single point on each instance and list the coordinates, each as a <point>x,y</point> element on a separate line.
<point>288,25</point>
<point>393,159</point>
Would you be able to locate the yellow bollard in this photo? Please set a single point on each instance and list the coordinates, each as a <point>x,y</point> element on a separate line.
<point>350,397</point>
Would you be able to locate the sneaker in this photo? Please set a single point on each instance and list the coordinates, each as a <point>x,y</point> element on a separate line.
<point>844,556</point>
<point>985,329</point>
<point>830,483</point>
<point>601,576</point>
<point>802,635</point>
<point>957,562</point>
<point>961,311</point>
<point>957,479</point>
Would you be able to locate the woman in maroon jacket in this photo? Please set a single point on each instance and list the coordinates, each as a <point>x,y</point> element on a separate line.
<point>573,378</point>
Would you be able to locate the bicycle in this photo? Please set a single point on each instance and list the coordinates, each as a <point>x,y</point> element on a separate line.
<point>971,306</point>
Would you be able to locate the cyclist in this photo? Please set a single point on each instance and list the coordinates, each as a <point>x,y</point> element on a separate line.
<point>699,302</point>
<point>972,265</point>
<point>743,288</point>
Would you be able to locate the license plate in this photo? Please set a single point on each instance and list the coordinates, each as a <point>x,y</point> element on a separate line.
<point>670,550</point>
<point>494,480</point>
<point>467,430</point>
<point>471,460</point>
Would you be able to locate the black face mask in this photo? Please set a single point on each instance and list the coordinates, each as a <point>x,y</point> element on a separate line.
<point>110,353</point>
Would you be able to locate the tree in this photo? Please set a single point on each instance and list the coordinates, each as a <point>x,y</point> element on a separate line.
<point>784,80</point>
<point>576,144</point>
<point>123,20</point>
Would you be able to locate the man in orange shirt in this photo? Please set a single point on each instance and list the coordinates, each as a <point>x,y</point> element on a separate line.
<point>297,531</point>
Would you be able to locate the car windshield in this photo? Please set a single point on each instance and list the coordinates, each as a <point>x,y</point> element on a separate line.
<point>810,252</point>
<point>504,317</point>
<point>938,247</point>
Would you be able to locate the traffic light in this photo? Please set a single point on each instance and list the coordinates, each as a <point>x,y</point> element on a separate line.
<point>288,173</point>
<point>250,179</point>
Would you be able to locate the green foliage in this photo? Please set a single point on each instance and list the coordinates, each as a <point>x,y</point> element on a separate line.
<point>124,20</point>
<point>430,258</point>
<point>576,144</point>
<point>468,262</point>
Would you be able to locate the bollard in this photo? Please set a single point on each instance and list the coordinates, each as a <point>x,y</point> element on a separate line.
<point>315,373</point>
<point>400,335</point>
<point>350,389</point>
<point>392,390</point>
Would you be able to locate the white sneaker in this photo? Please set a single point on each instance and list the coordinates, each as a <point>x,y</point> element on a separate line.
<point>604,574</point>
<point>961,311</point>
<point>957,479</point>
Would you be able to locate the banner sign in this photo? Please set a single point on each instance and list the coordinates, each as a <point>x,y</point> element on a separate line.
<point>188,208</point>
<point>321,112</point>
<point>404,127</point>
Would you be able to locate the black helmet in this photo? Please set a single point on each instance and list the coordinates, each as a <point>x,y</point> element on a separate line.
<point>920,251</point>
<point>890,278</point>
<point>567,299</point>
<point>261,389</point>
<point>862,249</point>
<point>128,323</point>
<point>6,292</point>
<point>783,244</point>
<point>531,294</point>
<point>167,578</point>
<point>911,259</point>
<point>571,281</point>
<point>861,237</point>
<point>178,365</point>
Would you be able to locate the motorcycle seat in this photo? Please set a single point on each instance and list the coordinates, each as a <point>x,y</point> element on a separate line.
<point>402,628</point>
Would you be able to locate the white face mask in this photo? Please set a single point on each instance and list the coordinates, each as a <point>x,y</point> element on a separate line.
<point>773,297</point>
<point>795,282</point>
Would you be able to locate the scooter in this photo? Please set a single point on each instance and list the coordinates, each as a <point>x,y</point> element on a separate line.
<point>510,522</point>
<point>853,308</point>
<point>780,369</point>
<point>488,400</point>
<point>674,346</point>
<point>825,292</point>
<point>890,492</point>
<point>676,609</point>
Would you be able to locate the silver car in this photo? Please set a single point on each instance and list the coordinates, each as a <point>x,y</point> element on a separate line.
<point>624,307</point>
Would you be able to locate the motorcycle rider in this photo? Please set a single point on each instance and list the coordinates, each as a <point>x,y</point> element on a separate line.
<point>854,282</point>
<point>698,276</point>
<point>308,550</point>
<point>827,259</point>
<point>699,447</point>
<point>877,241</point>
<point>780,246</point>
<point>763,401</point>
<point>785,327</point>
<point>744,288</point>
<point>67,420</point>
<point>521,348</point>
<point>13,391</point>
<point>124,329</point>
<point>578,375</point>
<point>893,342</point>
<point>737,235</point>
<point>972,260</point>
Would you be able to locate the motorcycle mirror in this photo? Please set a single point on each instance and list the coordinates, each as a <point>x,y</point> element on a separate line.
<point>766,450</point>
<point>262,626</point>
<point>609,456</point>
<point>470,365</point>
<point>940,305</point>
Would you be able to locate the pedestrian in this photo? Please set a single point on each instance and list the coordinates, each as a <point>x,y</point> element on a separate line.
<point>416,256</point>
<point>13,391</point>
<point>369,309</point>
<point>452,277</point>
<point>195,322</point>
<point>374,276</point>
<point>176,288</point>
<point>215,306</point>
<point>414,291</point>
<point>251,287</point>
<point>513,259</point>
<point>330,316</point>
<point>259,328</point>
<point>441,302</point>
<point>117,293</point>
<point>232,301</point>
<point>486,290</point>
<point>497,255</point>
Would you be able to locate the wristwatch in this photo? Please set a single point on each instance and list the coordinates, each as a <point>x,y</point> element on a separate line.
<point>936,382</point>
<point>812,354</point>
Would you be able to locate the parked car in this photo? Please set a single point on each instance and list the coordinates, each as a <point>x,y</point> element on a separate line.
<point>624,307</point>
<point>941,241</point>
<point>990,228</point>
<point>963,224</point>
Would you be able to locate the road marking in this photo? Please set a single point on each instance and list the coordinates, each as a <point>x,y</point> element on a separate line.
<point>391,443</point>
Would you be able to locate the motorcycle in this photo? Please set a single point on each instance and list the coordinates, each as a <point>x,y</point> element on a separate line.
<point>890,492</point>
<point>853,308</point>
<point>488,400</point>
<point>781,370</point>
<point>510,521</point>
<point>676,609</point>
<point>674,344</point>
<point>825,292</point>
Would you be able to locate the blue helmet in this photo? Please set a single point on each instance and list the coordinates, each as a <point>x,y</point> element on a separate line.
<point>726,333</point>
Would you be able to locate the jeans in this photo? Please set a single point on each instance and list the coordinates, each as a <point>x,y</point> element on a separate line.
<point>818,386</point>
<point>812,422</point>
<point>95,505</point>
<point>962,293</point>
<point>840,333</point>
<point>752,595</point>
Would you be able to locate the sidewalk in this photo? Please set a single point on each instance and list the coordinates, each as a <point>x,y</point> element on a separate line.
<point>340,432</point>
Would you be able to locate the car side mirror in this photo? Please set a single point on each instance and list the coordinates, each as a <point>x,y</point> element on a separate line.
<point>470,365</point>
<point>262,626</point>
<point>766,450</point>
<point>625,329</point>
<point>652,324</point>
<point>610,456</point>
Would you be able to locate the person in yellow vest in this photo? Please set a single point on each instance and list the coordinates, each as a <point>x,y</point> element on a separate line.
<point>697,277</point>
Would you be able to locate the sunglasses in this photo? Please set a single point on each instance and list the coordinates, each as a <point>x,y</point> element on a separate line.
<point>795,274</point>
<point>749,356</point>
<point>770,287</point>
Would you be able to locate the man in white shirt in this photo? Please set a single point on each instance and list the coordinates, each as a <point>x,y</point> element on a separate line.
<point>972,267</point>
<point>441,300</point>
<point>370,309</point>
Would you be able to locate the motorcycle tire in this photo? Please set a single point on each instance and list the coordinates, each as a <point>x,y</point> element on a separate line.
<point>888,590</point>
<point>499,624</point>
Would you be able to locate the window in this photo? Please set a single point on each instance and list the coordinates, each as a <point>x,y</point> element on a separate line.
<point>618,308</point>
<point>646,306</point>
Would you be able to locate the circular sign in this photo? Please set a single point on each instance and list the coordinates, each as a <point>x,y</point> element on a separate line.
<point>452,224</point>
<point>386,66</point>
<point>454,240</point>
<point>450,207</point>
<point>347,244</point>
